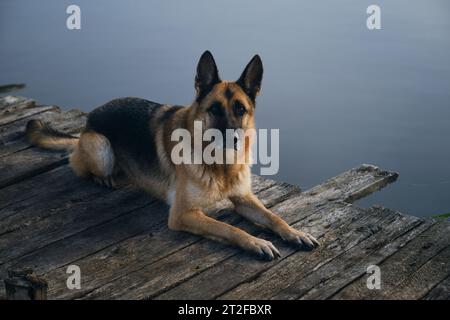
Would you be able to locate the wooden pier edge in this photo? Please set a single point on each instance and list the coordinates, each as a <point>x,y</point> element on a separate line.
<point>50,220</point>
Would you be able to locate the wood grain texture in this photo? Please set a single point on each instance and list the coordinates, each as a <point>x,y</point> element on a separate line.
<point>18,159</point>
<point>12,135</point>
<point>16,108</point>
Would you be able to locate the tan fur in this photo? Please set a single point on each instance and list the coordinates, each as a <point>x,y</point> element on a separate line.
<point>37,136</point>
<point>93,155</point>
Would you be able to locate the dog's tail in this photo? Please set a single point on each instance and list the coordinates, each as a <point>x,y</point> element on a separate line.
<point>42,135</point>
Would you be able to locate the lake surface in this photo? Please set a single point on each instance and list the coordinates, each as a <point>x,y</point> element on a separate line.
<point>340,94</point>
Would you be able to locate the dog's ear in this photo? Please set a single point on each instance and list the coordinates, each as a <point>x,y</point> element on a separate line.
<point>207,75</point>
<point>250,80</point>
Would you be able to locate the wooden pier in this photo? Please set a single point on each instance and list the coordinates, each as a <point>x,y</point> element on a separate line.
<point>50,219</point>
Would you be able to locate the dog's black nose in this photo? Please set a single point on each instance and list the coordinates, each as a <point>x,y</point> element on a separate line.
<point>236,142</point>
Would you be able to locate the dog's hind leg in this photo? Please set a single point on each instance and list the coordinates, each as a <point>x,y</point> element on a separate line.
<point>94,157</point>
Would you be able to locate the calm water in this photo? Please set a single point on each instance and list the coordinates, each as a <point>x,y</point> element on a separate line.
<point>341,94</point>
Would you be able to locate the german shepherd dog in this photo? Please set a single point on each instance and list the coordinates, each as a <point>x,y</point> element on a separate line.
<point>128,141</point>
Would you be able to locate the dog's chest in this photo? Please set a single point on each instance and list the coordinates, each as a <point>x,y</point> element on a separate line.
<point>210,190</point>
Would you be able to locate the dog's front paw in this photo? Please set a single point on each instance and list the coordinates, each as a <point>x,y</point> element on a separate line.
<point>262,248</point>
<point>300,238</point>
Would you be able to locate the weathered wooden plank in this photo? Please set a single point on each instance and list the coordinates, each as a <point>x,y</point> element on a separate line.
<point>329,278</point>
<point>141,223</point>
<point>440,291</point>
<point>137,251</point>
<point>289,211</point>
<point>12,135</point>
<point>260,184</point>
<point>433,272</point>
<point>354,184</point>
<point>15,165</point>
<point>11,101</point>
<point>66,190</point>
<point>55,201</point>
<point>190,261</point>
<point>28,163</point>
<point>72,219</point>
<point>402,265</point>
<point>69,219</point>
<point>11,112</point>
<point>39,185</point>
<point>356,225</point>
<point>228,280</point>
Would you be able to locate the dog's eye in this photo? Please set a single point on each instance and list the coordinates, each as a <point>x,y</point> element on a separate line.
<point>239,109</point>
<point>215,109</point>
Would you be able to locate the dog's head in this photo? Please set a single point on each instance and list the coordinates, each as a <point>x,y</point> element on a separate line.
<point>226,105</point>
